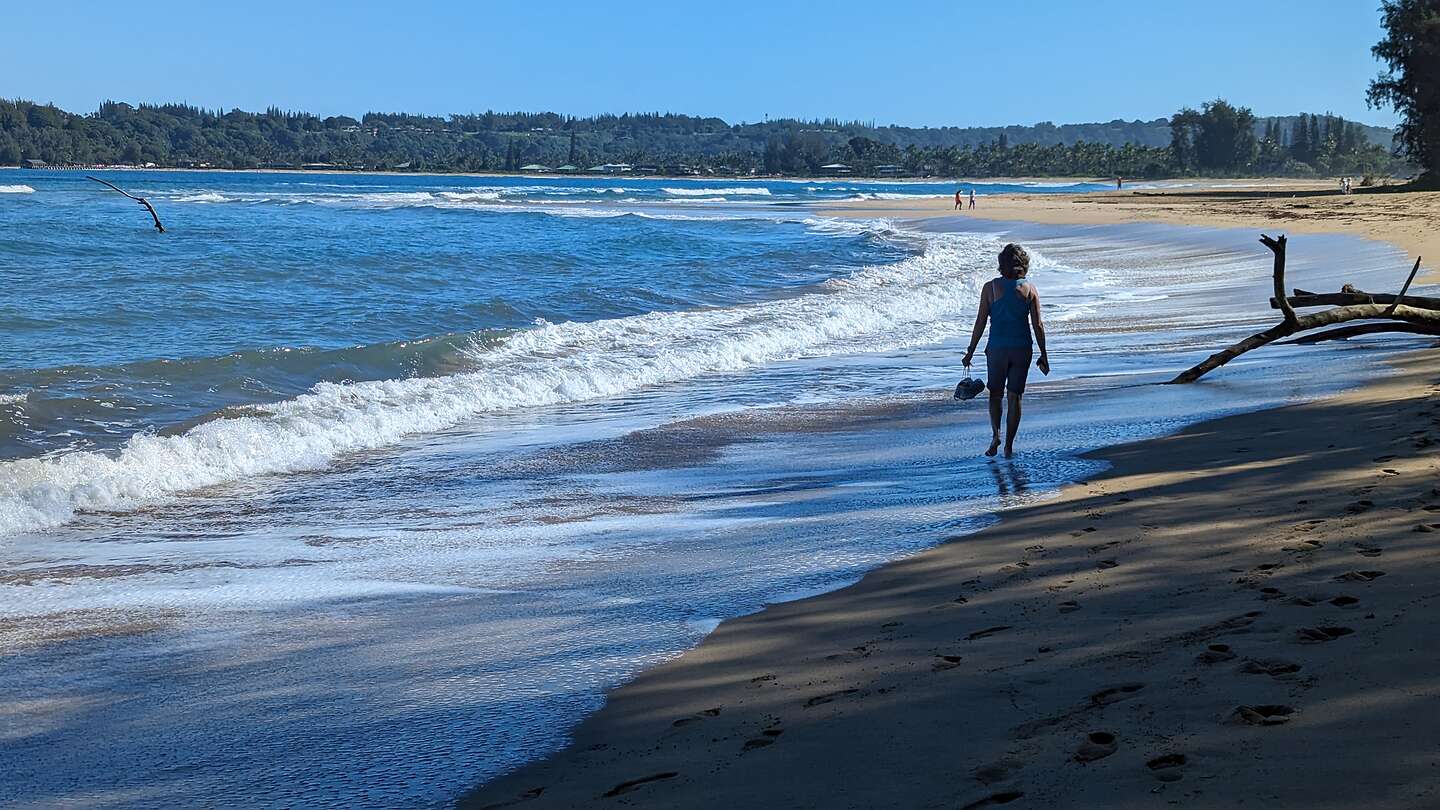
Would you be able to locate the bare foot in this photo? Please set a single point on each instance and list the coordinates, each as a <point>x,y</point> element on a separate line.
<point>1009,451</point>
<point>994,447</point>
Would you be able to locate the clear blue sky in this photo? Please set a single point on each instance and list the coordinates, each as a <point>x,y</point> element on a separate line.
<point>929,62</point>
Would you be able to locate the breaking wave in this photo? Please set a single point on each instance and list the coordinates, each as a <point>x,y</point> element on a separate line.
<point>877,308</point>
<point>755,191</point>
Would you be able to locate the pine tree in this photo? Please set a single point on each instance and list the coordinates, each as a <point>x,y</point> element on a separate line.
<point>1300,139</point>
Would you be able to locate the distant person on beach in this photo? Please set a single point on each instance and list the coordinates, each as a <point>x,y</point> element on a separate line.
<point>1011,307</point>
<point>972,196</point>
<point>1119,181</point>
<point>959,198</point>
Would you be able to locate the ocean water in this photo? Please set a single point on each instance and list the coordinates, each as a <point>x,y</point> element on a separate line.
<point>362,489</point>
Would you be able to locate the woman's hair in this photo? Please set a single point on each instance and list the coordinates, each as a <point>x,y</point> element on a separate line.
<point>1014,261</point>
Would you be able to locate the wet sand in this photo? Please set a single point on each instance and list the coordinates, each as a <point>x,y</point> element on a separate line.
<point>1241,613</point>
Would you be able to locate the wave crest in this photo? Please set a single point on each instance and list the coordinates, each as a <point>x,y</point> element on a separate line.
<point>878,308</point>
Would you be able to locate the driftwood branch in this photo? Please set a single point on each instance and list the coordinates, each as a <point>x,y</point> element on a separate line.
<point>1406,288</point>
<point>1401,313</point>
<point>140,200</point>
<point>1277,247</point>
<point>1302,300</point>
<point>1330,317</point>
<point>1355,330</point>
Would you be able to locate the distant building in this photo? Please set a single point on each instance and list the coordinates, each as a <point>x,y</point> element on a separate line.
<point>890,170</point>
<point>567,169</point>
<point>534,167</point>
<point>836,168</point>
<point>610,168</point>
<point>35,164</point>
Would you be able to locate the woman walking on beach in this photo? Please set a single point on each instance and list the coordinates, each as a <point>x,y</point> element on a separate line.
<point>1010,306</point>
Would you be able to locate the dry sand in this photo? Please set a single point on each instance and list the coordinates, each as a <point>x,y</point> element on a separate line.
<point>1410,220</point>
<point>1240,614</point>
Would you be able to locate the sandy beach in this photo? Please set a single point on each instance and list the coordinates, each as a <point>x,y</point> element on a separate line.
<point>1236,614</point>
<point>1405,219</point>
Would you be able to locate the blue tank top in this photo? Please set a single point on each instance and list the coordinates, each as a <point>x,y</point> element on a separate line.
<point>1009,317</point>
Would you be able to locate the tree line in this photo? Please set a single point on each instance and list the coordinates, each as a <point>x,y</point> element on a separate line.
<point>1218,139</point>
<point>1221,138</point>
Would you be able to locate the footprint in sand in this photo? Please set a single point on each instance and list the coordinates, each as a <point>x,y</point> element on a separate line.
<point>1115,694</point>
<point>1300,601</point>
<point>1215,653</point>
<point>1383,459</point>
<point>944,662</point>
<point>1360,576</point>
<point>1368,551</point>
<point>700,715</point>
<point>1344,601</point>
<point>1320,635</point>
<point>1359,506</point>
<point>1273,667</point>
<point>1303,546</point>
<point>989,631</point>
<point>829,697</point>
<point>766,738</point>
<point>633,784</point>
<point>1069,607</point>
<point>1097,745</point>
<point>1263,715</point>
<point>1428,527</point>
<point>1106,564</point>
<point>1271,593</point>
<point>1167,767</point>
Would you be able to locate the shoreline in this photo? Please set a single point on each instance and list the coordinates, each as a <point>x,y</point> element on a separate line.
<point>1405,219</point>
<point>935,713</point>
<point>1227,602</point>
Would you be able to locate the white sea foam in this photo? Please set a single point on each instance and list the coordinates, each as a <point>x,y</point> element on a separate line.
<point>463,196</point>
<point>888,195</point>
<point>912,302</point>
<point>756,191</point>
<point>203,197</point>
<point>20,188</point>
<point>13,399</point>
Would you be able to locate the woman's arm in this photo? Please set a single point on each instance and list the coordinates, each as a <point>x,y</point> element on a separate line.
<point>981,318</point>
<point>1043,362</point>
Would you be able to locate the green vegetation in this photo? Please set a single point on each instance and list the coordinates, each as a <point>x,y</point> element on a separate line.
<point>1411,50</point>
<point>1220,139</point>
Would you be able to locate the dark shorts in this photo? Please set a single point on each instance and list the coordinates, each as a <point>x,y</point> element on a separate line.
<point>1007,368</point>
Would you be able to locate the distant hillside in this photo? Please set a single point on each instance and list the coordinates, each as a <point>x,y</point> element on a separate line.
<point>657,143</point>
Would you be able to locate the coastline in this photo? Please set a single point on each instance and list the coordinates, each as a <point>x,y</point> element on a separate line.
<point>1405,219</point>
<point>971,673</point>
<point>1237,563</point>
